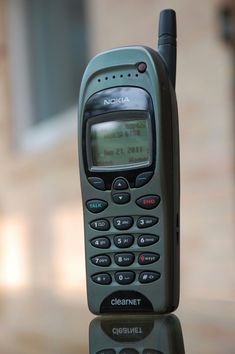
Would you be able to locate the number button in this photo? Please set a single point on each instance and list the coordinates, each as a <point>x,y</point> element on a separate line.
<point>123,241</point>
<point>123,222</point>
<point>125,278</point>
<point>101,242</point>
<point>102,279</point>
<point>148,277</point>
<point>146,221</point>
<point>147,240</point>
<point>101,260</point>
<point>124,259</point>
<point>148,258</point>
<point>100,225</point>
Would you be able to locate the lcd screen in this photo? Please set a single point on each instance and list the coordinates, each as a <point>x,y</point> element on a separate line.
<point>119,143</point>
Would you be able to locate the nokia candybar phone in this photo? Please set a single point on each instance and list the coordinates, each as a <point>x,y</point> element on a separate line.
<point>136,334</point>
<point>129,170</point>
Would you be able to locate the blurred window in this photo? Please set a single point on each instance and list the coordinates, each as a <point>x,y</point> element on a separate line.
<point>56,49</point>
<point>47,42</point>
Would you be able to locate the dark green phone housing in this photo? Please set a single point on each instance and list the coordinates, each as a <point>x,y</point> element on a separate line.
<point>115,86</point>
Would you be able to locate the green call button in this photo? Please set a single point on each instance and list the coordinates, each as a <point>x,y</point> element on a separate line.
<point>96,205</point>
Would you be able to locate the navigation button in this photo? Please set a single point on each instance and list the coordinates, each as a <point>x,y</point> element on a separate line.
<point>143,178</point>
<point>100,225</point>
<point>102,278</point>
<point>97,182</point>
<point>123,222</point>
<point>124,259</point>
<point>125,278</point>
<point>148,258</point>
<point>146,221</point>
<point>120,184</point>
<point>121,198</point>
<point>148,201</point>
<point>148,277</point>
<point>101,260</point>
<point>96,205</point>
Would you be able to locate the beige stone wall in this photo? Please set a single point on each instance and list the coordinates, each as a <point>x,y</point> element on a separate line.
<point>41,238</point>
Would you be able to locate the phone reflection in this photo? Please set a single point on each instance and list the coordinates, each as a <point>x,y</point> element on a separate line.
<point>136,335</point>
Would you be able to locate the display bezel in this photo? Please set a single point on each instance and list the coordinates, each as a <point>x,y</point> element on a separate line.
<point>127,115</point>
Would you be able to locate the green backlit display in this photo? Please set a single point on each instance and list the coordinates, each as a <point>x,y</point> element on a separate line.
<point>120,143</point>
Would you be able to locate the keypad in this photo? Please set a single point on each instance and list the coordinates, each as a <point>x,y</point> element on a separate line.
<point>101,242</point>
<point>102,278</point>
<point>124,259</point>
<point>147,240</point>
<point>100,225</point>
<point>125,278</point>
<point>123,222</point>
<point>123,249</point>
<point>101,260</point>
<point>123,241</point>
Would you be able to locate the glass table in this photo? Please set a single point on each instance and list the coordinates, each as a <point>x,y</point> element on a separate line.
<point>40,323</point>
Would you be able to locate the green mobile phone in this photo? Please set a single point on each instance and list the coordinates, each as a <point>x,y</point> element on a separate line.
<point>136,335</point>
<point>129,170</point>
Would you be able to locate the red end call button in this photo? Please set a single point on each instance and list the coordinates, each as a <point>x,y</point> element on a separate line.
<point>148,201</point>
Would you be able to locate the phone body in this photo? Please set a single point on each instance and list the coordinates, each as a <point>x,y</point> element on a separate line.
<point>129,170</point>
<point>136,334</point>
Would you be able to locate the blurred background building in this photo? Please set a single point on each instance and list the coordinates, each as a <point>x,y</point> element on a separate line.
<point>44,47</point>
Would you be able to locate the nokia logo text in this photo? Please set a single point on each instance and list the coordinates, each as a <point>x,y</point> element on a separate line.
<point>116,100</point>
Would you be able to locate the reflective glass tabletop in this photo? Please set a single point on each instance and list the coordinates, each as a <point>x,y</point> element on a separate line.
<point>40,324</point>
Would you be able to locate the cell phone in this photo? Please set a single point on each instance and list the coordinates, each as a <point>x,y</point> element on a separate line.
<point>136,334</point>
<point>128,144</point>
